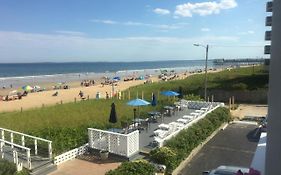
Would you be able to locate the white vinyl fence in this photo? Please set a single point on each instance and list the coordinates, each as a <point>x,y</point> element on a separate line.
<point>70,154</point>
<point>116,143</point>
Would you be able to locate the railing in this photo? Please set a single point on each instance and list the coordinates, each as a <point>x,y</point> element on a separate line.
<point>15,149</point>
<point>23,137</point>
<point>116,143</point>
<point>69,155</point>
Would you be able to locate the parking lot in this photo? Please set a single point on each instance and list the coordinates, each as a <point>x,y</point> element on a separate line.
<point>234,146</point>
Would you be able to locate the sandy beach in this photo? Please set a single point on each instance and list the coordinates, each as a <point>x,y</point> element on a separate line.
<point>45,98</point>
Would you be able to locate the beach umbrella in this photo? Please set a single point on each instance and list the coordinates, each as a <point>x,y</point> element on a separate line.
<point>154,100</point>
<point>137,103</point>
<point>113,115</point>
<point>27,88</point>
<point>116,78</point>
<point>170,93</point>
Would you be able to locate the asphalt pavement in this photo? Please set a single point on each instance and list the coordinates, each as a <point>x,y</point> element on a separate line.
<point>234,146</point>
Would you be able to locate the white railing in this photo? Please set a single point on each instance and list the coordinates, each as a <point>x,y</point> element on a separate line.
<point>70,154</point>
<point>23,136</point>
<point>15,157</point>
<point>161,141</point>
<point>116,143</point>
<point>201,104</point>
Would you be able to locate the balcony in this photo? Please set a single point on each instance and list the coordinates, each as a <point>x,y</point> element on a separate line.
<point>267,36</point>
<point>269,6</point>
<point>267,49</point>
<point>268,21</point>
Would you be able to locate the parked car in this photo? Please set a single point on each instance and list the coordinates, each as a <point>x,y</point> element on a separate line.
<point>226,170</point>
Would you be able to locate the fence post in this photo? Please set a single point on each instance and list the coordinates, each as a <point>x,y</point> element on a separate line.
<point>21,109</point>
<point>88,97</point>
<point>212,98</point>
<point>129,95</point>
<point>12,139</point>
<point>233,102</point>
<point>230,103</point>
<point>22,141</point>
<point>90,134</point>
<point>2,134</point>
<point>61,102</point>
<point>28,159</point>
<point>1,149</point>
<point>50,150</point>
<point>74,99</point>
<point>108,140</point>
<point>14,156</point>
<point>35,147</point>
<point>142,95</point>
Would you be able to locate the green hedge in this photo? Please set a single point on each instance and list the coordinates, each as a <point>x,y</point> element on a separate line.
<point>188,139</point>
<point>7,168</point>
<point>140,167</point>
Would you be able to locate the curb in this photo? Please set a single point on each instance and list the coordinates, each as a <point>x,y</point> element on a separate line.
<point>183,164</point>
<point>244,122</point>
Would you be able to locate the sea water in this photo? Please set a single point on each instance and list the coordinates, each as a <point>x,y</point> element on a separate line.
<point>19,74</point>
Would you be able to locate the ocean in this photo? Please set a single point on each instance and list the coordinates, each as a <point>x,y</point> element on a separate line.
<point>19,74</point>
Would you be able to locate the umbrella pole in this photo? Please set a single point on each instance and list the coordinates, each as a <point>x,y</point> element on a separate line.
<point>135,117</point>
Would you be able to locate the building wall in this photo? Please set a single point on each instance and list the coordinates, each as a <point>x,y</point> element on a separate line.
<point>273,149</point>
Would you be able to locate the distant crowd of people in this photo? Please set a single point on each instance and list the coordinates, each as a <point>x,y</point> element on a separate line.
<point>87,83</point>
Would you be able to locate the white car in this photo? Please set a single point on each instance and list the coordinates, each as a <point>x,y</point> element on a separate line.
<point>226,170</point>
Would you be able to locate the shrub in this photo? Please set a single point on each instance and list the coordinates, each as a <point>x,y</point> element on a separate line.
<point>140,167</point>
<point>8,168</point>
<point>240,86</point>
<point>180,146</point>
<point>165,156</point>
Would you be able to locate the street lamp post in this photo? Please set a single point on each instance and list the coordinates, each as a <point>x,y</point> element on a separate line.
<point>206,67</point>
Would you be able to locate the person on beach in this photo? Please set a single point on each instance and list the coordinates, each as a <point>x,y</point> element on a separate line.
<point>81,94</point>
<point>55,94</point>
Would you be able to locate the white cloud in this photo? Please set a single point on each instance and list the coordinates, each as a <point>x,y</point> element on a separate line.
<point>67,32</point>
<point>28,47</point>
<point>160,11</point>
<point>204,8</point>
<point>104,21</point>
<point>133,23</point>
<point>205,29</point>
<point>249,32</point>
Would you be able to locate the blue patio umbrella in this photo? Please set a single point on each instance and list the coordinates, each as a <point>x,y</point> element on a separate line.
<point>170,93</point>
<point>154,100</point>
<point>137,102</point>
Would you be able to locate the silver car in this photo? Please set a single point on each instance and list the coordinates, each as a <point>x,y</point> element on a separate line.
<point>226,170</point>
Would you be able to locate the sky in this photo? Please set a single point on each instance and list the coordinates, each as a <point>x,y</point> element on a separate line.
<point>129,30</point>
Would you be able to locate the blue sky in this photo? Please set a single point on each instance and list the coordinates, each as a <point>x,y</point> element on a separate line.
<point>129,30</point>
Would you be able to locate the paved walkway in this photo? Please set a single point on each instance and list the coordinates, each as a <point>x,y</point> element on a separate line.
<point>82,167</point>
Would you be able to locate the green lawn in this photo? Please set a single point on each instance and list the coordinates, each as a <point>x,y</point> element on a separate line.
<point>66,125</point>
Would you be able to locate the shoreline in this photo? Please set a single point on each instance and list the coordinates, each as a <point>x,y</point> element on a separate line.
<point>45,98</point>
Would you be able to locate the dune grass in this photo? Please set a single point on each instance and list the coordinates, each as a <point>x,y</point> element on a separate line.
<point>66,124</point>
<point>245,79</point>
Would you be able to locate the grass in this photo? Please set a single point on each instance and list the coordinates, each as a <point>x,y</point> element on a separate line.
<point>244,79</point>
<point>66,125</point>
